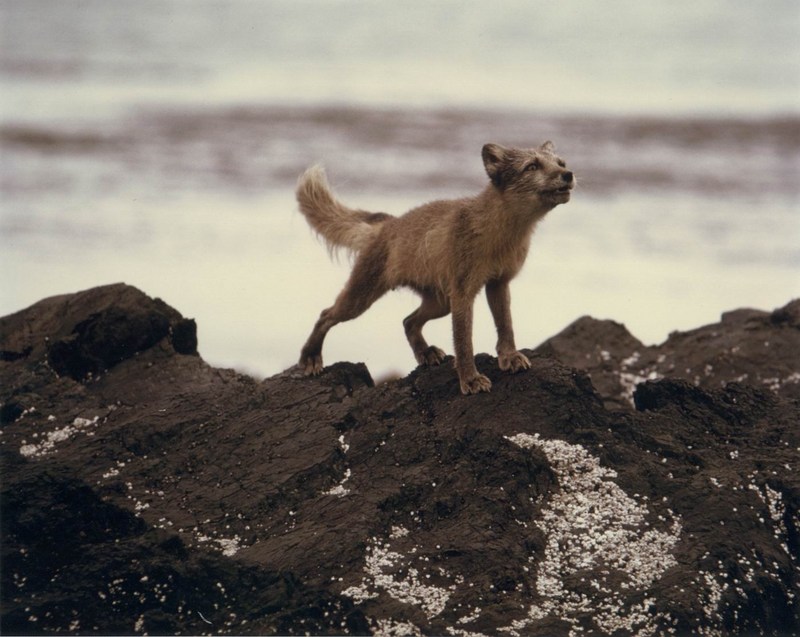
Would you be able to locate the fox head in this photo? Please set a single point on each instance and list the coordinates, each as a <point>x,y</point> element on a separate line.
<point>537,173</point>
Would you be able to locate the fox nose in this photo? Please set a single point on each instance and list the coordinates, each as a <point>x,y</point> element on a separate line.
<point>567,176</point>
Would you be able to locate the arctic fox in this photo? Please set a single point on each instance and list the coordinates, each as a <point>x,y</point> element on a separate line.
<point>444,250</point>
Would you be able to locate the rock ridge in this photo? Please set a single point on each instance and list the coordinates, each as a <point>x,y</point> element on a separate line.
<point>614,488</point>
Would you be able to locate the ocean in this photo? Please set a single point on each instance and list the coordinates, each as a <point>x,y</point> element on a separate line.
<point>158,143</point>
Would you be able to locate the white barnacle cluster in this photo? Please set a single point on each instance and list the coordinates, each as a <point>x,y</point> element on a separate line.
<point>776,383</point>
<point>46,444</point>
<point>392,628</point>
<point>224,540</point>
<point>718,588</point>
<point>594,528</point>
<point>405,577</point>
<point>629,378</point>
<point>773,499</point>
<point>227,546</point>
<point>601,553</point>
<point>340,490</point>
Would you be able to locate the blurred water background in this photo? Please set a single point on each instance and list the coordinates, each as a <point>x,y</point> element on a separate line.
<point>158,143</point>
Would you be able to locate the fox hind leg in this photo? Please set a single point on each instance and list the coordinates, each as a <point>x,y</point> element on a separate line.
<point>432,307</point>
<point>365,286</point>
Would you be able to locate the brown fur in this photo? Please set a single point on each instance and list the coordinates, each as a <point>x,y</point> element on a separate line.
<point>445,250</point>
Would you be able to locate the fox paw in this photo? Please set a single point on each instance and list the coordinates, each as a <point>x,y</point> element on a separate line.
<point>475,384</point>
<point>513,362</point>
<point>431,356</point>
<point>311,365</point>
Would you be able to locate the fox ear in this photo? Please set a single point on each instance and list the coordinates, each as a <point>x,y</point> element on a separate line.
<point>495,158</point>
<point>548,147</point>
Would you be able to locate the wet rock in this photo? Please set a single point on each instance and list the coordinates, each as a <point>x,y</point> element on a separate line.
<point>614,488</point>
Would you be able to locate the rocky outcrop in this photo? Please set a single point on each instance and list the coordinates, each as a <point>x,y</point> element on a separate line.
<point>747,346</point>
<point>613,488</point>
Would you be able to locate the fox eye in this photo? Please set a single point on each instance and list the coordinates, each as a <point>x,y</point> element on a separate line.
<point>534,165</point>
<point>562,163</point>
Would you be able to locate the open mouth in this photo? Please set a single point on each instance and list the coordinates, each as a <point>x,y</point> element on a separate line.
<point>564,190</point>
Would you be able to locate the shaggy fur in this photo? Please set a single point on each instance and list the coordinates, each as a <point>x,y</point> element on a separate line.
<point>444,250</point>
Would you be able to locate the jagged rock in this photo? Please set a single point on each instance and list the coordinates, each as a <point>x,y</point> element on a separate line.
<point>614,488</point>
<point>751,346</point>
<point>89,333</point>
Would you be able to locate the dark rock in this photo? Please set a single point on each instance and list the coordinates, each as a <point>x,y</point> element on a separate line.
<point>184,337</point>
<point>98,568</point>
<point>88,333</point>
<point>614,488</point>
<point>10,411</point>
<point>750,346</point>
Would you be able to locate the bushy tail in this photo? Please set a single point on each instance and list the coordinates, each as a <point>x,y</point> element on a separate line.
<point>338,225</point>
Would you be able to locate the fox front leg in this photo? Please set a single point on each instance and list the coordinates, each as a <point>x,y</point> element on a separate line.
<point>509,358</point>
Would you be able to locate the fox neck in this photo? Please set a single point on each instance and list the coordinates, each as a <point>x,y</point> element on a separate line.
<point>502,229</point>
<point>514,212</point>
